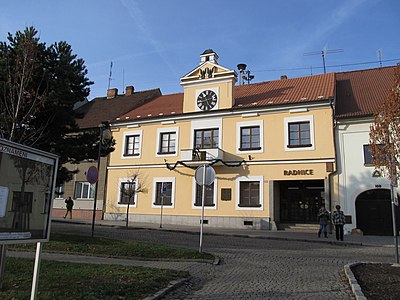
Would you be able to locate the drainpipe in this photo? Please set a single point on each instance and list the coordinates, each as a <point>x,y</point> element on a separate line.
<point>330,175</point>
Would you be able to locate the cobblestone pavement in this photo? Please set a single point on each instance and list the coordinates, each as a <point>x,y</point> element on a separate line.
<point>252,268</point>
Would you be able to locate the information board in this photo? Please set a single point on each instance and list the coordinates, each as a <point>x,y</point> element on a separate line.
<point>27,182</point>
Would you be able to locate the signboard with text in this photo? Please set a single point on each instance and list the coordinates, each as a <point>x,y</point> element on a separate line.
<point>27,181</point>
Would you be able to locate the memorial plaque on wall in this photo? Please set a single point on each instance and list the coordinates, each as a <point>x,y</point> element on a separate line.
<point>226,194</point>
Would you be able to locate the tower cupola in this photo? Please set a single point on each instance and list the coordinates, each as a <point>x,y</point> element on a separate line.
<point>209,55</point>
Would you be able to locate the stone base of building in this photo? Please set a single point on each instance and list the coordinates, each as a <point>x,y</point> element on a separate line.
<point>222,222</point>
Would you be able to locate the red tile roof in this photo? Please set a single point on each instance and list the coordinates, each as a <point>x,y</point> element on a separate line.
<point>361,93</point>
<point>163,105</point>
<point>296,90</point>
<point>101,109</point>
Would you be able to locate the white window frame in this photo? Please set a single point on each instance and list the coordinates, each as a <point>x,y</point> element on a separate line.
<point>210,123</point>
<point>154,194</point>
<point>158,143</point>
<point>260,179</point>
<point>84,183</point>
<point>215,196</point>
<point>288,120</point>
<point>120,181</point>
<point>240,125</point>
<point>129,133</point>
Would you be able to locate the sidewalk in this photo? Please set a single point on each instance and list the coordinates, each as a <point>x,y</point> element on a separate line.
<point>369,240</point>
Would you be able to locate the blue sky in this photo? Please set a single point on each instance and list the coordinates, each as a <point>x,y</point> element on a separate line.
<point>153,43</point>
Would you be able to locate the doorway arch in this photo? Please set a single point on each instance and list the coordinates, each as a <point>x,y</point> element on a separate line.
<point>374,212</point>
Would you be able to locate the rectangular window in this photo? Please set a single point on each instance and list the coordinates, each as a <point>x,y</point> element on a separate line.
<point>167,143</point>
<point>59,191</point>
<point>127,193</point>
<point>250,138</point>
<point>368,160</point>
<point>206,138</point>
<point>163,193</point>
<point>249,194</point>
<point>22,204</point>
<point>132,145</point>
<point>84,190</point>
<point>209,195</point>
<point>299,134</point>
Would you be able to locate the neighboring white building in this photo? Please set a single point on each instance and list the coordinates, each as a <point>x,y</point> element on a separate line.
<point>361,190</point>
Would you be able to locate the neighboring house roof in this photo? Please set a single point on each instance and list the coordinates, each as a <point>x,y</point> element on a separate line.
<point>284,91</point>
<point>102,109</point>
<point>361,93</point>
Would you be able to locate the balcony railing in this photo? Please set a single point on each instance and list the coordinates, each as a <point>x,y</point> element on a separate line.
<point>197,155</point>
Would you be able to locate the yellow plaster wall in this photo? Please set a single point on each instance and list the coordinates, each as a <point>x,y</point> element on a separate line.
<point>226,178</point>
<point>225,95</point>
<point>262,164</point>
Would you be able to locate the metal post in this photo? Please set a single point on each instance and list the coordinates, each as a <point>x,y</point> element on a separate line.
<point>97,183</point>
<point>3,250</point>
<point>127,213</point>
<point>35,279</point>
<point>162,204</point>
<point>396,244</point>
<point>202,208</point>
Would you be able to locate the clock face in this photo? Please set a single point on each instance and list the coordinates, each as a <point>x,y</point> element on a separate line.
<point>207,100</point>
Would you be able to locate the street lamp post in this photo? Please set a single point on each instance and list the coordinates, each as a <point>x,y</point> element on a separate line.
<point>102,126</point>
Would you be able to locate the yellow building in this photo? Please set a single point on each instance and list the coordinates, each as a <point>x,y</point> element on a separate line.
<point>271,145</point>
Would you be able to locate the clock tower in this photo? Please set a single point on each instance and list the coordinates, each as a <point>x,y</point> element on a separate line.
<point>209,86</point>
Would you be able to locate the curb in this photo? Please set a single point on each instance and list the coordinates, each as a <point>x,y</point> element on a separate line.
<point>355,287</point>
<point>172,286</point>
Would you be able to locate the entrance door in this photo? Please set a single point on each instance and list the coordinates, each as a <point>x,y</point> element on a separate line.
<point>374,212</point>
<point>301,200</point>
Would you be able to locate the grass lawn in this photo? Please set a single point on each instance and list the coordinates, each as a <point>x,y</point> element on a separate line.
<point>112,248</point>
<point>59,280</point>
<point>83,281</point>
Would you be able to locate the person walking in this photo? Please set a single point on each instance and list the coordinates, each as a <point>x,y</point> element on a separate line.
<point>70,204</point>
<point>323,218</point>
<point>338,221</point>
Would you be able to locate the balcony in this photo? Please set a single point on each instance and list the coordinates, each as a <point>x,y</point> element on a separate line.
<point>201,155</point>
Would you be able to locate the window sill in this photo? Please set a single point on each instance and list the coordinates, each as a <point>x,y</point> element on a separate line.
<point>164,204</point>
<point>250,149</point>
<point>251,206</point>
<point>210,205</point>
<point>299,146</point>
<point>129,155</point>
<point>166,153</point>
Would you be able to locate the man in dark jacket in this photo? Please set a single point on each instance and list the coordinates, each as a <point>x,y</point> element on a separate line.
<point>70,204</point>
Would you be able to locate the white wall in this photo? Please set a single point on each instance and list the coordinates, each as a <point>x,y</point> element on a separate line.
<point>354,176</point>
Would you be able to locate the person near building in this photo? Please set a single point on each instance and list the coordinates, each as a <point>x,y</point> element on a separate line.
<point>338,221</point>
<point>70,204</point>
<point>323,218</point>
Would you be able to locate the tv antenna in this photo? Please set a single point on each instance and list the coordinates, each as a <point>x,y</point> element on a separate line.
<point>109,77</point>
<point>324,52</point>
<point>379,54</point>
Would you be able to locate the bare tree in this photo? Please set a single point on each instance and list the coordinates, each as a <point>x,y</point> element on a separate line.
<point>129,189</point>
<point>22,99</point>
<point>385,133</point>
